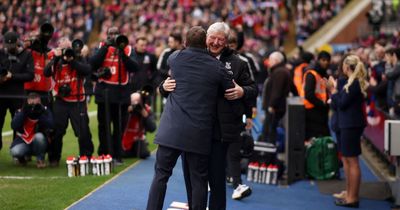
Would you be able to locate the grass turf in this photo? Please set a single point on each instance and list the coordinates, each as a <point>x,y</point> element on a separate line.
<point>49,188</point>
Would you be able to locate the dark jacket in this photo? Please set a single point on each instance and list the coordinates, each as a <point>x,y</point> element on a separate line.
<point>22,71</point>
<point>350,106</point>
<point>230,113</point>
<point>187,120</point>
<point>277,88</point>
<point>116,93</point>
<point>335,115</point>
<point>147,73</point>
<point>45,123</point>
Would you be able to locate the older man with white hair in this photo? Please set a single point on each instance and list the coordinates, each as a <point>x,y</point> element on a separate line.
<point>226,133</point>
<point>276,91</point>
<point>237,101</point>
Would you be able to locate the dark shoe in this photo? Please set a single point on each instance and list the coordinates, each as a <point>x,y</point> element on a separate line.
<point>343,203</point>
<point>40,164</point>
<point>20,161</point>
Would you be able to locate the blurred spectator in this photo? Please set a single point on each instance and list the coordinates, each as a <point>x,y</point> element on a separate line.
<point>262,22</point>
<point>313,14</point>
<point>393,74</point>
<point>315,97</point>
<point>74,19</point>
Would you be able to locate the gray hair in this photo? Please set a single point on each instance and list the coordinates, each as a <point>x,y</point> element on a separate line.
<point>278,56</point>
<point>218,27</point>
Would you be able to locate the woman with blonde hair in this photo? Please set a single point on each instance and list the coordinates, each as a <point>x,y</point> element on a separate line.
<point>351,120</point>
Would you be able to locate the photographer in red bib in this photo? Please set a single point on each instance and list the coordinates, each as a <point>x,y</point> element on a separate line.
<point>32,123</point>
<point>112,63</point>
<point>69,69</point>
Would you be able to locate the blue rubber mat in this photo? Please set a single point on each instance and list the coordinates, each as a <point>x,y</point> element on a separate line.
<point>130,191</point>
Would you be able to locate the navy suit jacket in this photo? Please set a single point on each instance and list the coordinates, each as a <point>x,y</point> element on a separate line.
<point>350,106</point>
<point>189,114</point>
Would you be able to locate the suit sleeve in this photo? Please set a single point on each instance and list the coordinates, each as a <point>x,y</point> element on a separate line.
<point>150,123</point>
<point>163,92</point>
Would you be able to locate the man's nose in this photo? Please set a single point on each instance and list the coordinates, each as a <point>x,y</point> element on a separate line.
<point>216,42</point>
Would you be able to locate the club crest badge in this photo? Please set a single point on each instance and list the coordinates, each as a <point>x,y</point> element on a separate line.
<point>228,65</point>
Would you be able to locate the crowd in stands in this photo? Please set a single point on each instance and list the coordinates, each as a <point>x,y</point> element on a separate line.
<point>73,19</point>
<point>311,15</point>
<point>155,20</point>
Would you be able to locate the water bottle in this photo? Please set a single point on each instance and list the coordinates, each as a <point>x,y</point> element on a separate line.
<point>99,164</point>
<point>263,173</point>
<point>107,164</point>
<point>93,162</point>
<point>83,160</point>
<point>268,176</point>
<point>75,166</point>
<point>70,168</point>
<point>274,174</point>
<point>250,170</point>
<point>256,171</point>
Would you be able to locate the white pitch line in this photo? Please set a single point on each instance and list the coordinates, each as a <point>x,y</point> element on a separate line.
<point>32,177</point>
<point>9,133</point>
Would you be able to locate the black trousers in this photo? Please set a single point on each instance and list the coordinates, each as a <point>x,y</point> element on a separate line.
<point>76,112</point>
<point>12,105</point>
<point>118,117</point>
<point>217,176</point>
<point>270,124</point>
<point>195,173</point>
<point>233,166</point>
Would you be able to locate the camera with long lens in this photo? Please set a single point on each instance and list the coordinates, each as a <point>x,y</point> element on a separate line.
<point>34,110</point>
<point>68,53</point>
<point>137,108</point>
<point>77,46</point>
<point>145,93</point>
<point>64,90</point>
<point>121,41</point>
<point>40,42</point>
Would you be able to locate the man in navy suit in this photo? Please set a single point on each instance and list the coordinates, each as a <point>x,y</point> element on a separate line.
<point>187,121</point>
